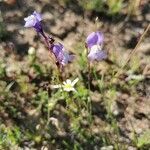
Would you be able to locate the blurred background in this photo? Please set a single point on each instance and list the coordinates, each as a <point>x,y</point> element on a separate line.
<point>26,70</point>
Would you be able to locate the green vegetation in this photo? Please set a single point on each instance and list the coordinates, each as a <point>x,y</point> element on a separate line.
<point>34,114</point>
<point>109,7</point>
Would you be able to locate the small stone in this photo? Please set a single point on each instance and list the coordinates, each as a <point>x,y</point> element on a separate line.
<point>31,51</point>
<point>44,148</point>
<point>95,130</point>
<point>147,17</point>
<point>12,70</point>
<point>54,121</point>
<point>107,147</point>
<point>38,127</point>
<point>131,148</point>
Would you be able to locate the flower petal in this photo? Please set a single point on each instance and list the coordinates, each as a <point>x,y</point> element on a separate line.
<point>64,82</point>
<point>74,81</point>
<point>62,56</point>
<point>37,16</point>
<point>100,37</point>
<point>91,39</point>
<point>56,48</point>
<point>34,21</point>
<point>69,89</point>
<point>68,81</point>
<point>30,21</point>
<point>94,38</point>
<point>66,58</point>
<point>100,55</point>
<point>56,86</point>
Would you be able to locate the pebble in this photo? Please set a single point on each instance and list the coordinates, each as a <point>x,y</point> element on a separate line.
<point>147,16</point>
<point>107,147</point>
<point>44,148</point>
<point>131,148</point>
<point>31,51</point>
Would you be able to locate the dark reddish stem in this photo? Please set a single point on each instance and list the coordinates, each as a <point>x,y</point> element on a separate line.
<point>49,43</point>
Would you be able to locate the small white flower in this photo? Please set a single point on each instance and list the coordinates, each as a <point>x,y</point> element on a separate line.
<point>67,85</point>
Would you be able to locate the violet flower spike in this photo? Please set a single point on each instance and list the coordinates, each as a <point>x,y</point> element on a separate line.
<point>34,21</point>
<point>62,56</point>
<point>94,43</point>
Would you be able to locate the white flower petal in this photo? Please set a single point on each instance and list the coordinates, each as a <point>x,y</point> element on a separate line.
<point>68,81</point>
<point>56,86</point>
<point>69,89</point>
<point>74,81</point>
<point>64,82</point>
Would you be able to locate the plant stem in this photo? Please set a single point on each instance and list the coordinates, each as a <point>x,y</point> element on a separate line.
<point>89,87</point>
<point>49,42</point>
<point>134,50</point>
<point>100,83</point>
<point>137,45</point>
<point>48,113</point>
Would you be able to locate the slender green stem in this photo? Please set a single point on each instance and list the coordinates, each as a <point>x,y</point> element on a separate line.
<point>48,113</point>
<point>89,98</point>
<point>68,105</point>
<point>59,81</point>
<point>89,87</point>
<point>100,86</point>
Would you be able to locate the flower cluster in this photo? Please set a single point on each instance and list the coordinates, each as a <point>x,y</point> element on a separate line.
<point>94,43</point>
<point>61,55</point>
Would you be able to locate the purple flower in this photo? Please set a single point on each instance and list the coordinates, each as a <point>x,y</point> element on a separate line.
<point>94,43</point>
<point>61,54</point>
<point>96,53</point>
<point>34,21</point>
